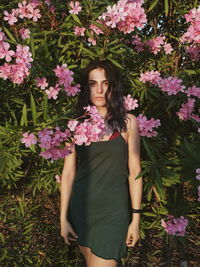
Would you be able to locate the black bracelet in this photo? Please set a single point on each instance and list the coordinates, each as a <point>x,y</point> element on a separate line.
<point>136,211</point>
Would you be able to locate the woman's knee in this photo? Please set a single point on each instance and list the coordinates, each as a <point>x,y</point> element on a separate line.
<point>86,253</point>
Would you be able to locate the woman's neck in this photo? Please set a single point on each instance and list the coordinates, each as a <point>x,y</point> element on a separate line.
<point>102,111</point>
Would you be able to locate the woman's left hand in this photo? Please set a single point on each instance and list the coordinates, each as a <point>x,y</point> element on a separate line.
<point>133,234</point>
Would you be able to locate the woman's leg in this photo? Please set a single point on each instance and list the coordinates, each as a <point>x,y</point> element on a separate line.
<point>96,261</point>
<point>86,253</point>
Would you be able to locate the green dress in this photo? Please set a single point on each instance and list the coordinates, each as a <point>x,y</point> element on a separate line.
<point>100,200</point>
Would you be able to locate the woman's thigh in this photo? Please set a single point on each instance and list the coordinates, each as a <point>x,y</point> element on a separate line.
<point>96,261</point>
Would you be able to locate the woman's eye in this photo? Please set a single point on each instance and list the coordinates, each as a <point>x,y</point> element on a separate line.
<point>90,84</point>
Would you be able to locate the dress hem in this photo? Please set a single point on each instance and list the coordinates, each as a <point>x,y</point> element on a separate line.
<point>88,246</point>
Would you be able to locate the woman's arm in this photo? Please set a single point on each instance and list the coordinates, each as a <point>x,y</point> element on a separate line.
<point>67,179</point>
<point>135,186</point>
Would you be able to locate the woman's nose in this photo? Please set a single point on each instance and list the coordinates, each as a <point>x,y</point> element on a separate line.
<point>100,88</point>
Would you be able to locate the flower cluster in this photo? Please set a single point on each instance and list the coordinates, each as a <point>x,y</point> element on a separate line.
<point>146,126</point>
<point>125,15</point>
<point>65,80</point>
<point>90,130</point>
<point>154,45</point>
<point>19,70</point>
<point>193,32</point>
<point>193,91</point>
<point>150,76</point>
<point>171,85</point>
<point>186,109</point>
<point>175,226</point>
<point>52,140</point>
<point>24,10</point>
<point>130,103</point>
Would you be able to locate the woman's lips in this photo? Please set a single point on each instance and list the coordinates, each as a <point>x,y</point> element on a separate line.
<point>99,98</point>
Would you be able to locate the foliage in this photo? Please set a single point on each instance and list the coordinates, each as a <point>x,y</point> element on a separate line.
<point>169,160</point>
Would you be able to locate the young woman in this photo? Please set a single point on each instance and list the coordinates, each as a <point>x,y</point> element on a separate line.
<point>100,197</point>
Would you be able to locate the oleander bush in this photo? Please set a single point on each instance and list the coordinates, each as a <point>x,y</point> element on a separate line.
<point>44,45</point>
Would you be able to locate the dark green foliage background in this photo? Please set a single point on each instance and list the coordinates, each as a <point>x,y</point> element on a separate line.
<point>30,197</point>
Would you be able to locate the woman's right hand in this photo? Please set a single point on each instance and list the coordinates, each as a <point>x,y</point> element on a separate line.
<point>67,229</point>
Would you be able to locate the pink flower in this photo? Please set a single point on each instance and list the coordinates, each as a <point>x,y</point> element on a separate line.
<point>35,3</point>
<point>171,85</point>
<point>41,82</point>
<point>53,92</point>
<point>130,103</point>
<point>52,9</point>
<point>95,29</point>
<point>72,125</point>
<point>5,52</point>
<point>5,71</point>
<point>25,33</point>
<point>125,15</point>
<point>47,2</point>
<point>146,126</point>
<point>92,41</point>
<point>58,178</point>
<point>64,75</point>
<point>139,46</point>
<point>2,36</point>
<point>72,90</point>
<point>194,91</point>
<point>193,32</point>
<point>175,226</point>
<point>194,52</point>
<point>79,31</point>
<point>198,174</point>
<point>24,9</point>
<point>34,14</point>
<point>168,48</point>
<point>10,17</point>
<point>186,109</point>
<point>29,139</point>
<point>155,44</point>
<point>198,192</point>
<point>75,7</point>
<point>44,137</point>
<point>150,76</point>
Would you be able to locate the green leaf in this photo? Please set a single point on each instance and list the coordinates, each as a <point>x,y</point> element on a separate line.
<point>89,52</point>
<point>76,18</point>
<point>33,110</point>
<point>166,4</point>
<point>149,214</point>
<point>12,38</point>
<point>114,61</point>
<point>24,120</point>
<point>45,107</point>
<point>153,4</point>
<point>32,46</point>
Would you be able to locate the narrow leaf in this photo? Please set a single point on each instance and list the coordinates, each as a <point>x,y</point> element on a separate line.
<point>76,18</point>
<point>153,4</point>
<point>33,110</point>
<point>166,4</point>
<point>12,38</point>
<point>45,107</point>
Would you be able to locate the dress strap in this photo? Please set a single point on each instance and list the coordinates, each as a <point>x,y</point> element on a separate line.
<point>114,134</point>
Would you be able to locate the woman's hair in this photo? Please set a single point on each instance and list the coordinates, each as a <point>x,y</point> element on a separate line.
<point>116,113</point>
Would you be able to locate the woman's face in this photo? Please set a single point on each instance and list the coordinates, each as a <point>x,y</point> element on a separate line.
<point>98,85</point>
